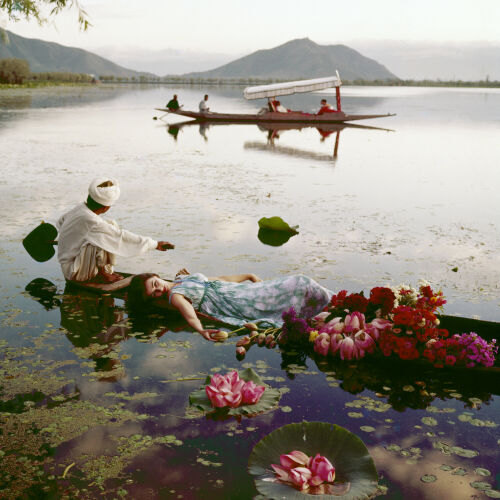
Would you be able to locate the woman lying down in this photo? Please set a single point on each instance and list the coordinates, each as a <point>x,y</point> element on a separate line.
<point>234,300</point>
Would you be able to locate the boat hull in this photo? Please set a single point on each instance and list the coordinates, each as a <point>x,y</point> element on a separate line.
<point>273,117</point>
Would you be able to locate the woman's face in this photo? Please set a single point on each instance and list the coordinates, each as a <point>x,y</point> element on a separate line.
<point>156,287</point>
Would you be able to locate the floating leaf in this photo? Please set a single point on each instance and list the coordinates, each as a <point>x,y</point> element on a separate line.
<point>356,475</point>
<point>268,401</point>
<point>428,478</point>
<point>482,472</point>
<point>481,485</point>
<point>277,224</point>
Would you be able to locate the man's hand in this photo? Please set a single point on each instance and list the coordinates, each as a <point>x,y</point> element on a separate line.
<point>182,272</point>
<point>164,245</point>
<point>110,277</point>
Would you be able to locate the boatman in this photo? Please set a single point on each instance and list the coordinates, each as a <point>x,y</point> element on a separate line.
<point>173,104</point>
<point>325,108</point>
<point>88,244</point>
<point>203,105</point>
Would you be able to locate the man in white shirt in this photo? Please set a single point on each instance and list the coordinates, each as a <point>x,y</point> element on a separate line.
<point>88,244</point>
<point>203,105</point>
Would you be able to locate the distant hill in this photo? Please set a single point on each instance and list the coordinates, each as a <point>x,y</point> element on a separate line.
<point>48,56</point>
<point>301,58</point>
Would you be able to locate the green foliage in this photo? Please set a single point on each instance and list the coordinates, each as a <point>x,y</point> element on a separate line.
<point>277,224</point>
<point>14,70</point>
<point>32,9</point>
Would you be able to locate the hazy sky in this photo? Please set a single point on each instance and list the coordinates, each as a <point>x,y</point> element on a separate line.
<point>221,30</point>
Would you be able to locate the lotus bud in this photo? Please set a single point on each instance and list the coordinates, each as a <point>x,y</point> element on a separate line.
<point>243,341</point>
<point>272,344</point>
<point>241,351</point>
<point>437,321</point>
<point>253,336</point>
<point>219,335</point>
<point>261,339</point>
<point>251,326</point>
<point>269,338</point>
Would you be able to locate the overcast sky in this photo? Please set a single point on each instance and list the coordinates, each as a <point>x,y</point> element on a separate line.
<point>200,34</point>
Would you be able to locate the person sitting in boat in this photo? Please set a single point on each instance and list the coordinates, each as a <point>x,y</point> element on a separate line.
<point>325,108</point>
<point>88,244</point>
<point>234,300</point>
<point>203,105</point>
<point>278,107</point>
<point>173,104</point>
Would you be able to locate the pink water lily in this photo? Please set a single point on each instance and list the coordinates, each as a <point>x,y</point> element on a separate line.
<point>230,391</point>
<point>322,470</point>
<point>364,342</point>
<point>354,322</point>
<point>303,471</point>
<point>348,349</point>
<point>322,343</point>
<point>376,326</point>
<point>294,459</point>
<point>251,393</point>
<point>336,325</point>
<point>335,342</point>
<point>319,320</point>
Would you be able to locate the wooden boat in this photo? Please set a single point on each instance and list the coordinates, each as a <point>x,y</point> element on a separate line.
<point>271,113</point>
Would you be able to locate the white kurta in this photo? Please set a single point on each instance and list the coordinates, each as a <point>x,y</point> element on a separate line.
<point>203,106</point>
<point>81,227</point>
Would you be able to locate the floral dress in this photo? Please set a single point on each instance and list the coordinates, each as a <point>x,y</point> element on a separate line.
<point>262,302</point>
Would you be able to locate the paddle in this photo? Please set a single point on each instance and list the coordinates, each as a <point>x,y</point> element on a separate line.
<point>40,242</point>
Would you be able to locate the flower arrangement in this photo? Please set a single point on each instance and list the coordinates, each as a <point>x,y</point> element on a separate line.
<point>304,472</point>
<point>399,321</point>
<point>229,390</point>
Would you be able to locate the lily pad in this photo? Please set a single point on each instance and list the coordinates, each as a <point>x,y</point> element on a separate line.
<point>268,401</point>
<point>356,475</point>
<point>277,224</point>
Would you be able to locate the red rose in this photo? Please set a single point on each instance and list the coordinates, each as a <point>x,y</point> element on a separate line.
<point>356,302</point>
<point>383,298</point>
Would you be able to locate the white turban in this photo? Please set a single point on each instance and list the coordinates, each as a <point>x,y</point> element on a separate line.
<point>105,195</point>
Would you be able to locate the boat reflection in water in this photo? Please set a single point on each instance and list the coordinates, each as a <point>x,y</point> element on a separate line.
<point>275,130</point>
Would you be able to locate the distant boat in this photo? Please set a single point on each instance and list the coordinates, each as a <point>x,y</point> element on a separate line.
<point>274,112</point>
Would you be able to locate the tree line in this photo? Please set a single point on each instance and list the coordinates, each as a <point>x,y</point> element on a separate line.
<point>17,71</point>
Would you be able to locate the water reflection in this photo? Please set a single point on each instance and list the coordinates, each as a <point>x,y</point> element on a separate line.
<point>274,131</point>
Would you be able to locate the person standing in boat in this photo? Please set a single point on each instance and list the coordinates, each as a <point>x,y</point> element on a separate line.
<point>203,105</point>
<point>88,244</point>
<point>173,104</point>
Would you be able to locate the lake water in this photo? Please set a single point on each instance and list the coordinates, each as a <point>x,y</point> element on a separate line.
<point>85,385</point>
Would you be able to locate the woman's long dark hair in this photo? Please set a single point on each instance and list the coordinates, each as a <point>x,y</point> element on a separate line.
<point>137,298</point>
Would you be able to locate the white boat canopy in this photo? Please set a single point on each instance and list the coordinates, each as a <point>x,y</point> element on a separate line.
<point>289,88</point>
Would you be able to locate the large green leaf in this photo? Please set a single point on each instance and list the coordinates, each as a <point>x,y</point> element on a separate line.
<point>277,224</point>
<point>268,401</point>
<point>353,464</point>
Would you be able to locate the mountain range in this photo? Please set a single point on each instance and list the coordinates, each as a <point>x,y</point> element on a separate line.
<point>49,56</point>
<point>296,59</point>
<point>301,58</point>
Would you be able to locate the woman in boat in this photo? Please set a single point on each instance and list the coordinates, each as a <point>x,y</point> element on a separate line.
<point>234,300</point>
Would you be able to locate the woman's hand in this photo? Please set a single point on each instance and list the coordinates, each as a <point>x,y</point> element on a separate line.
<point>207,334</point>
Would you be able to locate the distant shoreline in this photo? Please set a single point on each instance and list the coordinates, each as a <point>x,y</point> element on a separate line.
<point>241,83</point>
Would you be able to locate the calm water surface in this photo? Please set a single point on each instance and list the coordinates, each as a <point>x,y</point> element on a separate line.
<point>84,384</point>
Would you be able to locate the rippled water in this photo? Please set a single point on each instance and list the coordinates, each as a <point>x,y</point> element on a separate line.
<point>419,201</point>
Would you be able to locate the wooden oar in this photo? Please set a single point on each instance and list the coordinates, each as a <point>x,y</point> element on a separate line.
<point>40,242</point>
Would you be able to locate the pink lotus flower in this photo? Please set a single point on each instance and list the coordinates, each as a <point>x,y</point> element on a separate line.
<point>364,342</point>
<point>335,342</point>
<point>322,470</point>
<point>319,320</point>
<point>300,477</point>
<point>348,349</point>
<point>294,459</point>
<point>376,326</point>
<point>322,343</point>
<point>354,322</point>
<point>336,325</point>
<point>282,473</point>
<point>229,390</point>
<point>251,393</point>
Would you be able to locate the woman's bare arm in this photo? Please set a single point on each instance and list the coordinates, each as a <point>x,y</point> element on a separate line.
<point>238,278</point>
<point>189,314</point>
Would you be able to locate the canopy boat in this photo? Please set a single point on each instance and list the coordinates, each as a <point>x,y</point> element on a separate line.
<point>274,112</point>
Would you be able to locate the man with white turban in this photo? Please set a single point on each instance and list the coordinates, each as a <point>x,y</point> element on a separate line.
<point>88,244</point>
